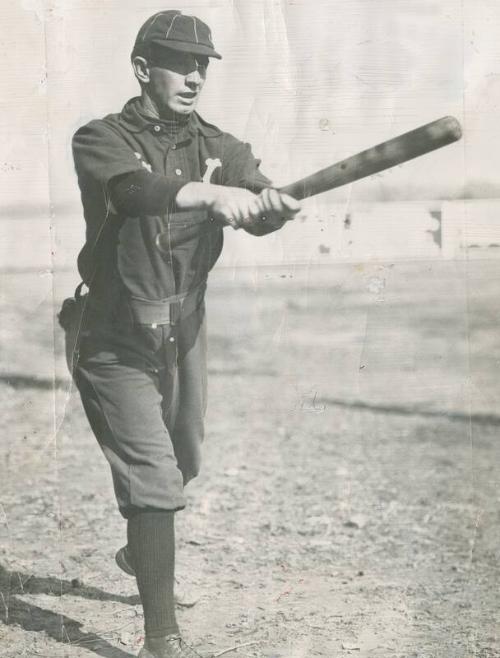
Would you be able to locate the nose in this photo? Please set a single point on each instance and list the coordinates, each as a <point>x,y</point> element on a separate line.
<point>194,79</point>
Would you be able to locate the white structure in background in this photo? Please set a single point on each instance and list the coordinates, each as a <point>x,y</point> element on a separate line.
<point>333,233</point>
<point>376,232</point>
<point>471,228</point>
<point>324,234</point>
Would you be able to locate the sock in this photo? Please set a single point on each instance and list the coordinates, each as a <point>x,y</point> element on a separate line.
<point>151,540</point>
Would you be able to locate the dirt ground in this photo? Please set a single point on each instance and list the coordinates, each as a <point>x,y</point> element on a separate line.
<point>349,499</point>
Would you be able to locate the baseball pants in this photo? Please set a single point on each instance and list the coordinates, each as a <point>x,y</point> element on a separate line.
<point>143,388</point>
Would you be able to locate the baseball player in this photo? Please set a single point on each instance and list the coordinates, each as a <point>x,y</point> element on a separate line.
<point>158,184</point>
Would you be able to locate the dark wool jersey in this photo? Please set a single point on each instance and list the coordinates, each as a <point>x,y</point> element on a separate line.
<point>153,256</point>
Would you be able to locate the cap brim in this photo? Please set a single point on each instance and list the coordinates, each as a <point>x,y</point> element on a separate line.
<point>194,48</point>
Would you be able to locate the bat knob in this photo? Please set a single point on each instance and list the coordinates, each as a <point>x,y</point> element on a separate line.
<point>453,127</point>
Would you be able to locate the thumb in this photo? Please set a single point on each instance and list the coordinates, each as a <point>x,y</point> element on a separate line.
<point>290,203</point>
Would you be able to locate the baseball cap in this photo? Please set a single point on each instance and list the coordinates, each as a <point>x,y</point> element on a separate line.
<point>176,31</point>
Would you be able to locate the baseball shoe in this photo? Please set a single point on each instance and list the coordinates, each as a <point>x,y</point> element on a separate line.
<point>182,598</point>
<point>171,646</point>
<point>124,560</point>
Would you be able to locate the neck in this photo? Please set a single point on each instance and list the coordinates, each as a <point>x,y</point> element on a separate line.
<point>152,109</point>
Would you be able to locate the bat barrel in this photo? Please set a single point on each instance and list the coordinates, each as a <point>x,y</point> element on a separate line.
<point>388,154</point>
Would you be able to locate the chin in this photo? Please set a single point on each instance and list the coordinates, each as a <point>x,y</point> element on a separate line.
<point>184,110</point>
<point>178,108</point>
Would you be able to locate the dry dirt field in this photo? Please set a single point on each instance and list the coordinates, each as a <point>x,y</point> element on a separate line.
<point>349,503</point>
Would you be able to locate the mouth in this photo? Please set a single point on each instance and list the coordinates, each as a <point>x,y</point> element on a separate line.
<point>188,96</point>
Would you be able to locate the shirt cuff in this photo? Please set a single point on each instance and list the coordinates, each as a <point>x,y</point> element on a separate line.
<point>144,193</point>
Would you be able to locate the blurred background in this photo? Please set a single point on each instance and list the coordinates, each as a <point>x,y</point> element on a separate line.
<point>306,84</point>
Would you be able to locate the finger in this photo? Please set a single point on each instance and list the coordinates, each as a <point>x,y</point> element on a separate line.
<point>265,201</point>
<point>234,215</point>
<point>276,212</point>
<point>232,222</point>
<point>240,212</point>
<point>266,207</point>
<point>255,209</point>
<point>290,203</point>
<point>224,214</point>
<point>260,204</point>
<point>274,200</point>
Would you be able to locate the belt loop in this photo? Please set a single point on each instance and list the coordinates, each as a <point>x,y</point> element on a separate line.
<point>175,312</point>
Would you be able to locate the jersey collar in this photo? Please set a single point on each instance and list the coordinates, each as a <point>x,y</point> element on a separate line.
<point>134,121</point>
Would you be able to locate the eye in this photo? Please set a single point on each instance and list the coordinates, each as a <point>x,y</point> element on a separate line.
<point>202,62</point>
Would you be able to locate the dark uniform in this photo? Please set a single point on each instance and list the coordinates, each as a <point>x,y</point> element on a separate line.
<point>137,341</point>
<point>141,369</point>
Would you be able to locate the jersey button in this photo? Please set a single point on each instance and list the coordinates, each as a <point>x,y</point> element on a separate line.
<point>157,129</point>
<point>178,172</point>
<point>174,146</point>
<point>172,339</point>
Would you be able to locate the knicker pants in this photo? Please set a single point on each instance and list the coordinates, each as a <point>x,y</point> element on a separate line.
<point>143,389</point>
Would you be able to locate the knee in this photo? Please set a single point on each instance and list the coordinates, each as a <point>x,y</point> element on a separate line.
<point>190,468</point>
<point>190,473</point>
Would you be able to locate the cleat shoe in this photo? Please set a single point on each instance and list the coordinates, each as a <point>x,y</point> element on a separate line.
<point>171,646</point>
<point>183,598</point>
<point>124,560</point>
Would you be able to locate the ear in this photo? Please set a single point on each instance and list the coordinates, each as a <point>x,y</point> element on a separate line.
<point>141,69</point>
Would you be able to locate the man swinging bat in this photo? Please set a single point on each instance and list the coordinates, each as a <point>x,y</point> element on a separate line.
<point>158,184</point>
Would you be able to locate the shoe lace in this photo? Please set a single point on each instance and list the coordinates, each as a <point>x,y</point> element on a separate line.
<point>181,649</point>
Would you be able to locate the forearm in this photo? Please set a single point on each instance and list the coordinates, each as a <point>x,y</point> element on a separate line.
<point>146,193</point>
<point>142,193</point>
<point>196,196</point>
<point>257,214</point>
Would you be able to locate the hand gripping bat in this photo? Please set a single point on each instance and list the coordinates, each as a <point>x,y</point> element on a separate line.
<point>388,154</point>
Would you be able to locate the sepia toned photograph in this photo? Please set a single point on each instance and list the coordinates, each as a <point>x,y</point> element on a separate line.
<point>250,294</point>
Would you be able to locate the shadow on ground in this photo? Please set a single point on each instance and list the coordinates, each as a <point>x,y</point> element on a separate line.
<point>37,383</point>
<point>25,382</point>
<point>61,628</point>
<point>400,410</point>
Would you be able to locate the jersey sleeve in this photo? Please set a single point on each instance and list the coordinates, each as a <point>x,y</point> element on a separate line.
<point>100,154</point>
<point>240,168</point>
<point>143,192</point>
<point>103,158</point>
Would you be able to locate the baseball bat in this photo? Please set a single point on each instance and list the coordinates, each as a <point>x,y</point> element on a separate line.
<point>388,154</point>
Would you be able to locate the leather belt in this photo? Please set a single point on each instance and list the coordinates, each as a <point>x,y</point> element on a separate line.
<point>166,311</point>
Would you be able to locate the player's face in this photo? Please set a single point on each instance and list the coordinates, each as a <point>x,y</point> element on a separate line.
<point>176,80</point>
